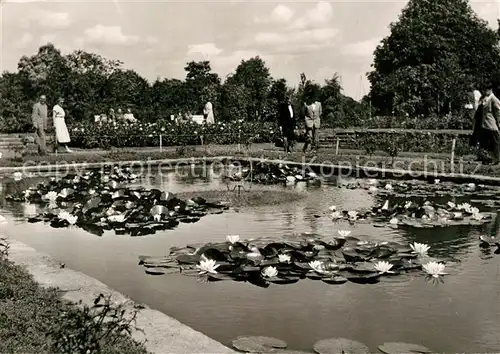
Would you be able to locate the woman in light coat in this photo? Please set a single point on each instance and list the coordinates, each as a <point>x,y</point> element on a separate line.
<point>62,134</point>
<point>208,113</point>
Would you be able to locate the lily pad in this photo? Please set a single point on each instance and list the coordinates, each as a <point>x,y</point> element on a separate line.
<point>340,346</point>
<point>336,279</point>
<point>403,348</point>
<point>257,344</point>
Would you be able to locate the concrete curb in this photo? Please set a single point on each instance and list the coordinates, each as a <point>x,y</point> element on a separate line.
<point>162,333</point>
<point>361,171</point>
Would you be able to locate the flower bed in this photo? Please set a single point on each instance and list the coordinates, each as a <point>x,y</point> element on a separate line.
<point>106,135</point>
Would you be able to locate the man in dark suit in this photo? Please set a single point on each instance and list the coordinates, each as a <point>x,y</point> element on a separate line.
<point>286,121</point>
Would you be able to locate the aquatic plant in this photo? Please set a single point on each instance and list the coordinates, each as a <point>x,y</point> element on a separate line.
<point>420,248</point>
<point>100,200</point>
<point>307,256</point>
<point>434,269</point>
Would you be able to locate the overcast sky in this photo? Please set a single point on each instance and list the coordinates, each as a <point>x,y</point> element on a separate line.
<point>157,38</point>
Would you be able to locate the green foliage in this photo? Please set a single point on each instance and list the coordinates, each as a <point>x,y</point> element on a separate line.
<point>436,52</point>
<point>37,320</point>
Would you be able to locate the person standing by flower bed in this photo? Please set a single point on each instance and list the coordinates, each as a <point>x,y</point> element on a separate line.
<point>286,121</point>
<point>312,117</point>
<point>62,134</point>
<point>39,119</point>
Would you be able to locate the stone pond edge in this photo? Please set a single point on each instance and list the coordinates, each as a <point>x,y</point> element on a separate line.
<point>358,171</point>
<point>162,334</point>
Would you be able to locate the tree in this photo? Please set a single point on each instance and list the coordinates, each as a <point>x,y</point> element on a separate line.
<point>435,51</point>
<point>202,85</point>
<point>254,76</point>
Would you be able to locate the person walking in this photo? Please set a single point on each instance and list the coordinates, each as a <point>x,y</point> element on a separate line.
<point>62,134</point>
<point>312,117</point>
<point>286,122</point>
<point>490,139</point>
<point>39,120</point>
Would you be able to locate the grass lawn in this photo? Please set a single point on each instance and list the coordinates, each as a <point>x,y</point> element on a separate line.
<point>38,320</point>
<point>406,161</point>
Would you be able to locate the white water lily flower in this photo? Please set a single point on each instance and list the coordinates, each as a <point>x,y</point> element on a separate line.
<point>372,189</point>
<point>284,258</point>
<point>51,196</point>
<point>71,219</point>
<point>477,216</point>
<point>452,205</point>
<point>290,179</point>
<point>233,238</point>
<point>207,266</point>
<point>383,267</point>
<point>394,221</point>
<point>353,215</point>
<point>436,181</point>
<point>465,207</point>
<point>434,268</point>
<point>3,220</point>
<point>474,210</point>
<point>91,191</point>
<point>312,175</point>
<point>116,218</point>
<point>344,233</point>
<point>388,187</point>
<point>157,217</point>
<point>317,266</point>
<point>420,248</point>
<point>337,215</point>
<point>269,272</point>
<point>333,208</point>
<point>17,176</point>
<point>408,204</point>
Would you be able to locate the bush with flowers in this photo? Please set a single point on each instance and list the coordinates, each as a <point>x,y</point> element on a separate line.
<point>122,134</point>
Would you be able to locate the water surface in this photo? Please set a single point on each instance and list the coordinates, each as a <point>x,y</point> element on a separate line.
<point>461,315</point>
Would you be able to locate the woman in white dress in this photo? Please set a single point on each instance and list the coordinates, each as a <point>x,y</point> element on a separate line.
<point>208,112</point>
<point>62,134</point>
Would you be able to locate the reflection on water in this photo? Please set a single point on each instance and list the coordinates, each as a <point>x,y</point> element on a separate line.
<point>460,315</point>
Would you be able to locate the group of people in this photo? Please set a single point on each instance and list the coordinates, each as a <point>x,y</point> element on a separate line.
<point>311,111</point>
<point>118,116</point>
<point>486,132</point>
<point>40,124</point>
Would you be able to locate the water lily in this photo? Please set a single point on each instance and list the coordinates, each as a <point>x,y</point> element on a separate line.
<point>50,196</point>
<point>333,208</point>
<point>394,221</point>
<point>337,215</point>
<point>420,248</point>
<point>474,210</point>
<point>157,217</point>
<point>383,267</point>
<point>317,266</point>
<point>233,238</point>
<point>452,205</point>
<point>284,258</point>
<point>17,176</point>
<point>353,215</point>
<point>436,181</point>
<point>207,266</point>
<point>344,233</point>
<point>116,218</point>
<point>388,187</point>
<point>269,272</point>
<point>372,189</point>
<point>408,204</point>
<point>477,216</point>
<point>290,179</point>
<point>465,207</point>
<point>312,175</point>
<point>434,268</point>
<point>71,219</point>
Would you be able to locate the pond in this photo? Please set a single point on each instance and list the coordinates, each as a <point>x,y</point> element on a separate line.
<point>459,315</point>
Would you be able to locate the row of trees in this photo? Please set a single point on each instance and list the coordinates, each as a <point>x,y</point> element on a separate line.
<point>437,52</point>
<point>92,84</point>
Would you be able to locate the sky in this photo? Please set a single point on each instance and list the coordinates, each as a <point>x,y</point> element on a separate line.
<point>157,38</point>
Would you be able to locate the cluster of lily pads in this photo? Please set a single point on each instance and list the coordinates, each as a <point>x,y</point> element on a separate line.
<point>269,173</point>
<point>261,344</point>
<point>410,213</point>
<point>333,260</point>
<point>100,200</point>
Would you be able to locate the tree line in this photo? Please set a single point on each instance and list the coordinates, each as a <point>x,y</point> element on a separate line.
<point>92,84</point>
